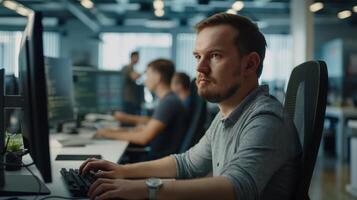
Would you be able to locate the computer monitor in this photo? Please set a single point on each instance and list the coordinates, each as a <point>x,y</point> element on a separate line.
<point>35,120</point>
<point>85,90</point>
<point>59,90</point>
<point>97,91</point>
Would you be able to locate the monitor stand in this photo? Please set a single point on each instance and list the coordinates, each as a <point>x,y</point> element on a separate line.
<point>23,185</point>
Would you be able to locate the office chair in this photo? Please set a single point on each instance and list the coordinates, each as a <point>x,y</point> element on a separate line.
<point>305,104</point>
<point>197,113</point>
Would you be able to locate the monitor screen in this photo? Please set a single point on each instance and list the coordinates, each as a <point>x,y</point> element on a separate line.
<point>59,90</point>
<point>97,91</point>
<point>32,84</point>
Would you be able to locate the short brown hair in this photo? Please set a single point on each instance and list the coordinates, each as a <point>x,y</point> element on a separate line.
<point>164,67</point>
<point>249,38</point>
<point>134,53</point>
<point>183,79</point>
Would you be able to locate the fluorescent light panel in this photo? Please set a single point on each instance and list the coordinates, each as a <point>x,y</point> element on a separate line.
<point>159,13</point>
<point>23,11</point>
<point>354,9</point>
<point>87,4</point>
<point>238,5</point>
<point>231,11</point>
<point>344,14</point>
<point>158,4</point>
<point>12,5</point>
<point>316,6</point>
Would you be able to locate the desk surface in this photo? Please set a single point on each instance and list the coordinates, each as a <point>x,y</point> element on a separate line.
<point>110,150</point>
<point>352,124</point>
<point>332,110</point>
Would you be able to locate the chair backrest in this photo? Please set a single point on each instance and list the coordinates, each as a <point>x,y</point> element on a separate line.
<point>197,117</point>
<point>305,104</point>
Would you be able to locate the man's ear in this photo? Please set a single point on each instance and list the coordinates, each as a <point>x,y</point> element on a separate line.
<point>252,61</point>
<point>158,77</point>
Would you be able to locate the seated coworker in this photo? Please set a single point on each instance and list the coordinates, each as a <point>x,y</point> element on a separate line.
<point>251,147</point>
<point>164,130</point>
<point>180,84</point>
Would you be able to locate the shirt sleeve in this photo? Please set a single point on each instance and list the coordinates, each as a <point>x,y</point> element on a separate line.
<point>197,161</point>
<point>258,156</point>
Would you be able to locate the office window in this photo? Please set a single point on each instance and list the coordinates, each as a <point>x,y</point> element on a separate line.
<point>278,62</point>
<point>115,49</point>
<point>185,62</point>
<point>10,46</point>
<point>51,44</point>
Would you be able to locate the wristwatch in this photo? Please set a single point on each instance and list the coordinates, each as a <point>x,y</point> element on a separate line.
<point>154,185</point>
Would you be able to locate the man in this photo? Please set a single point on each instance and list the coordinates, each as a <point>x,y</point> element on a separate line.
<point>131,102</point>
<point>165,129</point>
<point>180,84</point>
<point>251,148</point>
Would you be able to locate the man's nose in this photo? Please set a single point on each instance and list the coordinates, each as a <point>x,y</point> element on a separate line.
<point>203,67</point>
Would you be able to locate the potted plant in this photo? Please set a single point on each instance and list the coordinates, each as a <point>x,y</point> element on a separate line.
<point>14,152</point>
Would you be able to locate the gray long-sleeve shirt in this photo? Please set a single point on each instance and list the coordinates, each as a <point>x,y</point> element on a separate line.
<point>255,147</point>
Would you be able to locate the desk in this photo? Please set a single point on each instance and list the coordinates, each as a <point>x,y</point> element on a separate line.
<point>110,150</point>
<point>352,188</point>
<point>342,114</point>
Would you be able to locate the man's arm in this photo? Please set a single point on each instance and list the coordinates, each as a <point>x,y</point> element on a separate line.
<point>141,136</point>
<point>131,119</point>
<point>163,168</point>
<point>205,188</point>
<point>134,75</point>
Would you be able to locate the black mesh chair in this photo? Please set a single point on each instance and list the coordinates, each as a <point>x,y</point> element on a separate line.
<point>197,114</point>
<point>305,104</point>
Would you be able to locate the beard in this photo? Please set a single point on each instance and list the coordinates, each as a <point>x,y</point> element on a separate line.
<point>218,96</point>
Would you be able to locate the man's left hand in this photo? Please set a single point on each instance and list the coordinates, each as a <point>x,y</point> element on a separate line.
<point>118,188</point>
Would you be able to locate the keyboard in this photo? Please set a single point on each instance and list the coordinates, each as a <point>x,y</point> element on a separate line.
<point>77,184</point>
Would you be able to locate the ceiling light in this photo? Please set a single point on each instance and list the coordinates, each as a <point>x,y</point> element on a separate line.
<point>12,5</point>
<point>316,6</point>
<point>231,11</point>
<point>87,4</point>
<point>238,5</point>
<point>354,9</point>
<point>159,13</point>
<point>344,14</point>
<point>23,11</point>
<point>158,4</point>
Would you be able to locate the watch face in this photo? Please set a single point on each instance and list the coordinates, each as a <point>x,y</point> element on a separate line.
<point>154,182</point>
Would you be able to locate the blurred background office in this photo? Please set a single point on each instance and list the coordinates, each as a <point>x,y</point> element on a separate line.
<point>97,38</point>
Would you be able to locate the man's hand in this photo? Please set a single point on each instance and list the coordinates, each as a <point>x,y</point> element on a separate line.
<point>104,188</point>
<point>120,116</point>
<point>105,169</point>
<point>105,133</point>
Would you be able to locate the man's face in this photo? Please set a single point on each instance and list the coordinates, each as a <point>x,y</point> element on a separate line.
<point>175,85</point>
<point>218,63</point>
<point>152,79</point>
<point>135,58</point>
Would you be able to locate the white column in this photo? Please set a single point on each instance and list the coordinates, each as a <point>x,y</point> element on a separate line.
<point>302,30</point>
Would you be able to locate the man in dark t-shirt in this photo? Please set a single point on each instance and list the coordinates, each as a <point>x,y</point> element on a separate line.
<point>131,100</point>
<point>167,126</point>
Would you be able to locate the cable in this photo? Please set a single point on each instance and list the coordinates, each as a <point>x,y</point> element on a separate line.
<point>38,181</point>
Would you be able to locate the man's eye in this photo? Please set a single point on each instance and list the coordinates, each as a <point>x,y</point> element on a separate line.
<point>197,57</point>
<point>215,55</point>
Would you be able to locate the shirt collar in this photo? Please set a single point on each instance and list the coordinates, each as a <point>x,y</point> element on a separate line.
<point>237,112</point>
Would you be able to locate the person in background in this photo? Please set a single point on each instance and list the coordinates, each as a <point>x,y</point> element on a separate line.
<point>131,99</point>
<point>164,130</point>
<point>251,147</point>
<point>181,86</point>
